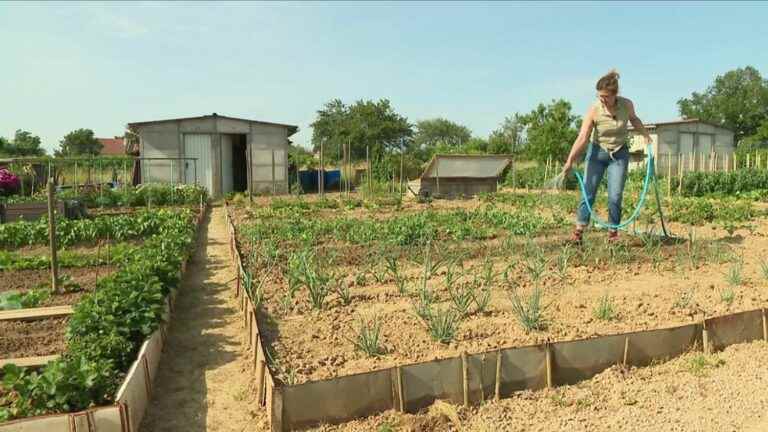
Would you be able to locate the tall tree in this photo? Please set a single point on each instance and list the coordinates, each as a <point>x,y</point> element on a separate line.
<point>431,132</point>
<point>737,100</point>
<point>550,131</point>
<point>27,144</point>
<point>23,144</point>
<point>509,137</point>
<point>80,142</point>
<point>364,124</point>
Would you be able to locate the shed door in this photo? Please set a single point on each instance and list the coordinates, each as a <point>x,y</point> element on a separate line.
<point>227,179</point>
<point>686,143</point>
<point>706,144</point>
<point>198,146</point>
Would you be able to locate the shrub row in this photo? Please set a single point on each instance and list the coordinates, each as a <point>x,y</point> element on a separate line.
<point>699,184</point>
<point>105,332</point>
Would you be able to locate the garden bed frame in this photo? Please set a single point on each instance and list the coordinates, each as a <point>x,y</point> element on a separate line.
<point>132,397</point>
<point>470,379</point>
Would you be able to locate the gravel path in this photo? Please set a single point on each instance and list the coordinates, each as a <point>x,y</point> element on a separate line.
<point>204,381</point>
<point>721,392</point>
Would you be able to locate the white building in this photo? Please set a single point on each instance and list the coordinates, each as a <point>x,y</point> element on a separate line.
<point>690,143</point>
<point>221,146</point>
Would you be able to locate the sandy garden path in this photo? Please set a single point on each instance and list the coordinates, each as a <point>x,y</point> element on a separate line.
<point>204,381</point>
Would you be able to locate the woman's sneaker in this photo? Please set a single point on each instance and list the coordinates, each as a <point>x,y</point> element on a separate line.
<point>613,236</point>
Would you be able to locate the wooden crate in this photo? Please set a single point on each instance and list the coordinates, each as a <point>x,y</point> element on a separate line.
<point>29,211</point>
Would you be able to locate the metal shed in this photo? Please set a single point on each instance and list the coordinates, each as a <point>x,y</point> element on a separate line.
<point>696,144</point>
<point>222,147</point>
<point>462,175</point>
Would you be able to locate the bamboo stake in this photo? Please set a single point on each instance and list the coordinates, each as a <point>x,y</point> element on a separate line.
<point>497,393</point>
<point>765,327</point>
<point>401,393</point>
<point>669,175</point>
<point>625,360</point>
<point>368,168</point>
<point>465,377</point>
<point>52,237</point>
<point>681,167</point>
<point>705,337</point>
<point>401,170</point>
<point>548,364</point>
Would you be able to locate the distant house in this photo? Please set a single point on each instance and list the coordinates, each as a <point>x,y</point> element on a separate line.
<point>691,143</point>
<point>112,146</point>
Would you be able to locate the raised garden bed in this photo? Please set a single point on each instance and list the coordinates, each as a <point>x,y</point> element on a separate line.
<point>32,338</point>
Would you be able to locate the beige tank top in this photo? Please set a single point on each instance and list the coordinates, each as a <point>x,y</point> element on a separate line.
<point>610,131</point>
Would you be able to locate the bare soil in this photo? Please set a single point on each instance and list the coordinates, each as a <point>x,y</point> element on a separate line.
<point>720,392</point>
<point>204,381</point>
<point>26,280</point>
<point>311,345</point>
<point>32,338</point>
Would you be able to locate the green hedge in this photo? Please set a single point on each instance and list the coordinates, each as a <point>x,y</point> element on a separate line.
<point>156,194</point>
<point>742,181</point>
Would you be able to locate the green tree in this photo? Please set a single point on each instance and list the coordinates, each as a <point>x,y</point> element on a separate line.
<point>438,131</point>
<point>27,144</point>
<point>550,130</point>
<point>79,142</point>
<point>364,124</point>
<point>509,137</point>
<point>23,144</point>
<point>737,100</point>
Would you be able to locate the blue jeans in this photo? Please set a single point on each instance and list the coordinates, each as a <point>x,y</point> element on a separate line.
<point>598,163</point>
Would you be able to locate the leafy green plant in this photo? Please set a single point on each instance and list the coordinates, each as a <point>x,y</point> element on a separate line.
<point>10,300</point>
<point>605,309</point>
<point>394,270</point>
<point>343,291</point>
<point>764,268</point>
<point>528,311</point>
<point>368,336</point>
<point>443,324</point>
<point>727,296</point>
<point>735,271</point>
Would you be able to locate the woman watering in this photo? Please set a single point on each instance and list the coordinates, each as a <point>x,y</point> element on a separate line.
<point>606,123</point>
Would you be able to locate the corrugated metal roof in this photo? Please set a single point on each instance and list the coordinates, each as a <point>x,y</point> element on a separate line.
<point>681,121</point>
<point>291,128</point>
<point>466,166</point>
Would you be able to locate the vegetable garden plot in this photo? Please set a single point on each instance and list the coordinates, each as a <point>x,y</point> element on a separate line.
<point>571,361</point>
<point>108,327</point>
<point>32,287</point>
<point>326,282</point>
<point>32,338</point>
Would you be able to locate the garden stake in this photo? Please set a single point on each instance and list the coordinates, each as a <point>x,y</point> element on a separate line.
<point>626,352</point>
<point>548,364</point>
<point>705,336</point>
<point>465,378</point>
<point>52,238</point>
<point>498,375</point>
<point>765,327</point>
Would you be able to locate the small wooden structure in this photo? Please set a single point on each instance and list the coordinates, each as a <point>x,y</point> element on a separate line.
<point>27,211</point>
<point>455,176</point>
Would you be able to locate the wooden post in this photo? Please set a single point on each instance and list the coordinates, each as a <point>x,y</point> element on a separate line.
<point>748,160</point>
<point>765,327</point>
<point>52,236</point>
<point>274,183</point>
<point>497,394</point>
<point>681,167</point>
<point>320,172</point>
<point>400,392</point>
<point>705,337</point>
<point>368,168</point>
<point>548,364</point>
<point>669,175</point>
<point>402,155</point>
<point>625,360</point>
<point>465,377</point>
<point>343,167</point>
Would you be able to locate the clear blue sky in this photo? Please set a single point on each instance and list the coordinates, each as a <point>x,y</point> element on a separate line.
<point>100,66</point>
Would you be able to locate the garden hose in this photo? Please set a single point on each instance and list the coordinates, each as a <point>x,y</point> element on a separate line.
<point>649,173</point>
